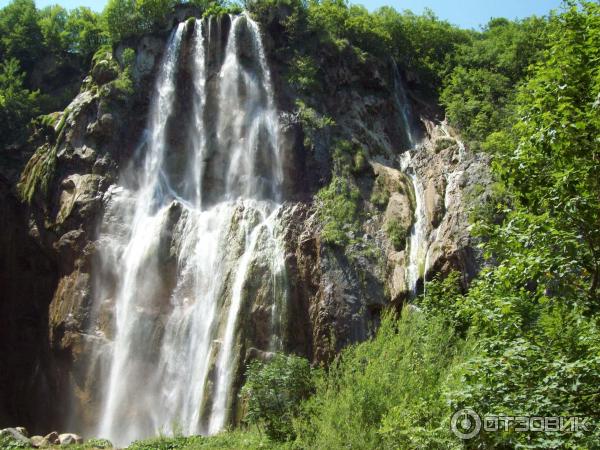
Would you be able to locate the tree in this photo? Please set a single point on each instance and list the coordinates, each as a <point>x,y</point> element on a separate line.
<point>479,92</point>
<point>273,393</point>
<point>17,104</point>
<point>20,33</point>
<point>52,22</point>
<point>476,101</point>
<point>86,34</point>
<point>126,18</point>
<point>535,315</point>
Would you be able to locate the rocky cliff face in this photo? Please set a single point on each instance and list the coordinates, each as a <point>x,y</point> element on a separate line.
<point>336,295</point>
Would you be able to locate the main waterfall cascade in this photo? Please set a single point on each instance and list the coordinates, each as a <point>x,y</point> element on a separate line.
<point>186,234</point>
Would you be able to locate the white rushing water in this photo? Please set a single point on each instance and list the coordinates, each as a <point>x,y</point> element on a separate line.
<point>418,240</point>
<point>403,106</point>
<point>181,236</point>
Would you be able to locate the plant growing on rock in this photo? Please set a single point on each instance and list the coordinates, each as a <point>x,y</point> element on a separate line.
<point>303,74</point>
<point>396,234</point>
<point>312,122</point>
<point>338,211</point>
<point>124,83</point>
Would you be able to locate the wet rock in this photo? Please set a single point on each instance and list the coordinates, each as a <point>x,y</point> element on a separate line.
<point>256,354</point>
<point>53,438</point>
<point>78,197</point>
<point>103,72</point>
<point>147,55</point>
<point>434,203</point>
<point>69,439</point>
<point>399,209</point>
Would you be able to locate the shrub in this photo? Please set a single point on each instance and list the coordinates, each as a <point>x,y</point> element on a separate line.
<point>124,82</point>
<point>220,9</point>
<point>338,211</point>
<point>18,105</point>
<point>396,234</point>
<point>387,392</point>
<point>273,393</point>
<point>312,122</point>
<point>129,18</point>
<point>349,157</point>
<point>98,443</point>
<point>303,74</point>
<point>8,443</point>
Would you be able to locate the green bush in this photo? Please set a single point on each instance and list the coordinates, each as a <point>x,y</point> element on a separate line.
<point>216,8</point>
<point>338,211</point>
<point>387,392</point>
<point>130,18</point>
<point>303,74</point>
<point>274,391</point>
<point>396,234</point>
<point>290,15</point>
<point>18,105</point>
<point>124,82</point>
<point>98,443</point>
<point>349,157</point>
<point>8,443</point>
<point>312,122</point>
<point>380,197</point>
<point>232,439</point>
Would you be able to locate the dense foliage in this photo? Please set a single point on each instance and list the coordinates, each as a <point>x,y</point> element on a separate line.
<point>525,339</point>
<point>529,91</point>
<point>386,393</point>
<point>274,391</point>
<point>45,55</point>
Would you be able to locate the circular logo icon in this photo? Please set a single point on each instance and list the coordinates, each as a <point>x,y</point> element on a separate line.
<point>466,424</point>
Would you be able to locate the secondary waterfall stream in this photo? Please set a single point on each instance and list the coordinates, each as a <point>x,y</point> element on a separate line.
<point>417,241</point>
<point>187,233</point>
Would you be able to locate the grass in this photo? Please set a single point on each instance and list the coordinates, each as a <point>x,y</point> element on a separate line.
<point>236,439</point>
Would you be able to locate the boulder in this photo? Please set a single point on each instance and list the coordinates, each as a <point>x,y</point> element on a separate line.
<point>103,72</point>
<point>52,437</point>
<point>39,442</point>
<point>70,439</point>
<point>399,209</point>
<point>15,435</point>
<point>434,203</point>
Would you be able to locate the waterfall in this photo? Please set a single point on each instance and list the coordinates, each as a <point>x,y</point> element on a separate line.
<point>418,239</point>
<point>186,235</point>
<point>401,101</point>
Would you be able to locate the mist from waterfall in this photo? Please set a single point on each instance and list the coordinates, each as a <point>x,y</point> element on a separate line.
<point>184,232</point>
